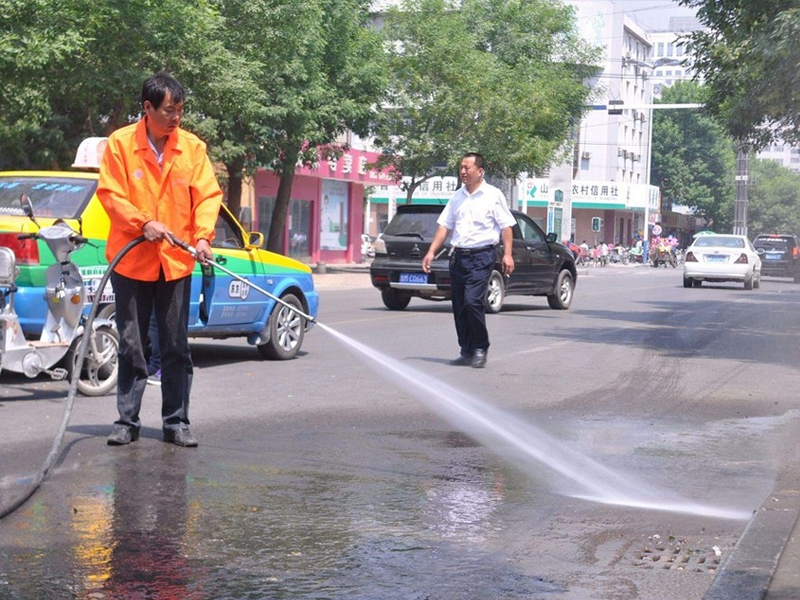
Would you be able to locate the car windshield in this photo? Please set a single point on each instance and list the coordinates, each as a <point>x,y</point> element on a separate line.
<point>52,197</point>
<point>420,225</point>
<point>772,243</point>
<point>718,241</point>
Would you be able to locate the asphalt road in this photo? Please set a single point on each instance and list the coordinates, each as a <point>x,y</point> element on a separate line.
<point>615,450</point>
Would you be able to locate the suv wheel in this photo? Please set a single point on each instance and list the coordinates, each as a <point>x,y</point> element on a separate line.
<point>395,299</point>
<point>562,296</point>
<point>495,293</point>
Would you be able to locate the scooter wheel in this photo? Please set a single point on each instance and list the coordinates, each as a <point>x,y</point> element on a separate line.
<point>99,370</point>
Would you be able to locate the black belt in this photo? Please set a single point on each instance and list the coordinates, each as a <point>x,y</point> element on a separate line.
<point>468,251</point>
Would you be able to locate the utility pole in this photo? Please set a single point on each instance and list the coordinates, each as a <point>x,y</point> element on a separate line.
<point>740,205</point>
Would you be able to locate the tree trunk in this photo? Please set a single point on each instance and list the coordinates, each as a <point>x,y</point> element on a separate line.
<point>234,192</point>
<point>280,211</point>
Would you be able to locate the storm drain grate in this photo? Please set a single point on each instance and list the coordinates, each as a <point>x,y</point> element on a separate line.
<point>677,555</point>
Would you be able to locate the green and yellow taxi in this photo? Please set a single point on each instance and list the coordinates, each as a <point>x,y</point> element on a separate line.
<point>221,306</point>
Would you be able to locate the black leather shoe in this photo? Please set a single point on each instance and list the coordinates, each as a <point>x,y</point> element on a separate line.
<point>180,437</point>
<point>121,435</point>
<point>479,359</point>
<point>464,360</point>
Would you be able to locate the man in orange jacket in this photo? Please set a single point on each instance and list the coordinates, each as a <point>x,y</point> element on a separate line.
<point>155,180</point>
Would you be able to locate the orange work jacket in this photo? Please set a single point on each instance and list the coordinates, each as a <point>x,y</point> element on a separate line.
<point>184,195</point>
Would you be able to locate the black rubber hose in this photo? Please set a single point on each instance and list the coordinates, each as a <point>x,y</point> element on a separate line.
<point>9,508</point>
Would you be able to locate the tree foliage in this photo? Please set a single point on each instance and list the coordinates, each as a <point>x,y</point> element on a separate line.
<point>74,68</point>
<point>693,158</point>
<point>748,58</point>
<point>319,73</point>
<point>773,198</point>
<point>268,81</point>
<point>503,77</point>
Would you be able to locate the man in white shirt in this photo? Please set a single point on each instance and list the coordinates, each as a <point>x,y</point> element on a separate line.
<point>478,216</point>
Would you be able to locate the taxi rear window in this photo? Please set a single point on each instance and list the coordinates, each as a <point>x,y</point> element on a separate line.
<point>52,197</point>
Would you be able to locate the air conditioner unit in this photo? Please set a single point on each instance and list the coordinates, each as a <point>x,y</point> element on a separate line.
<point>636,157</point>
<point>644,118</point>
<point>624,154</point>
<point>586,155</point>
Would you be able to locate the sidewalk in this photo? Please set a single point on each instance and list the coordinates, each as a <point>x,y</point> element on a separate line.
<point>342,276</point>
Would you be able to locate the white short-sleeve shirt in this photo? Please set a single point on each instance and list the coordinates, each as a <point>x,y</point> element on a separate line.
<point>476,219</point>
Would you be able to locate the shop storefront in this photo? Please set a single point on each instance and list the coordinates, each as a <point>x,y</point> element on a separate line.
<point>601,211</point>
<point>326,210</point>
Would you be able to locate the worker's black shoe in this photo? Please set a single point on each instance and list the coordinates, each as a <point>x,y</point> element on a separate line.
<point>121,435</point>
<point>180,437</point>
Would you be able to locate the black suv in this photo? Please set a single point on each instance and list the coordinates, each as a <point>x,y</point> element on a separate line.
<point>542,267</point>
<point>780,255</point>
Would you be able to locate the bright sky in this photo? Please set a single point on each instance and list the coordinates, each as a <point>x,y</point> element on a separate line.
<point>654,14</point>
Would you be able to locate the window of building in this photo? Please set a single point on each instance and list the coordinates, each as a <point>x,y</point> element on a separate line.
<point>660,48</point>
<point>670,49</point>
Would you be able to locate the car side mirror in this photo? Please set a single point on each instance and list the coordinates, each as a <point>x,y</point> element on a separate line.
<point>551,237</point>
<point>255,239</point>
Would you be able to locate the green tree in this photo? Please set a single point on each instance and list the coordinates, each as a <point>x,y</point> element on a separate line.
<point>748,58</point>
<point>773,198</point>
<point>74,68</point>
<point>503,77</point>
<point>693,158</point>
<point>320,74</point>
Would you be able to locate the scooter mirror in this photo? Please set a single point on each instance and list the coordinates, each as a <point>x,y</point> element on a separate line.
<point>27,207</point>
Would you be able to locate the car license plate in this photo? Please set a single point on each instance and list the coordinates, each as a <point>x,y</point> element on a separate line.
<point>413,278</point>
<point>774,255</point>
<point>716,258</point>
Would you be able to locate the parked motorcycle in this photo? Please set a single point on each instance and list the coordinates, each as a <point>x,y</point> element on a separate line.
<point>56,351</point>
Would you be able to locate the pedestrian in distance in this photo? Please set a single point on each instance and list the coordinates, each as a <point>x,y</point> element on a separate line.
<point>155,180</point>
<point>478,217</point>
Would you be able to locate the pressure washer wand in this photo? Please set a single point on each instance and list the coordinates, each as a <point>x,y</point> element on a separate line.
<point>193,251</point>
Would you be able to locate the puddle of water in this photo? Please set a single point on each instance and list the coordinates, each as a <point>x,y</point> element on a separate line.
<point>523,443</point>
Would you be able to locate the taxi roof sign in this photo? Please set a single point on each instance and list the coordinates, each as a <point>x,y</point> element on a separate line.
<point>90,153</point>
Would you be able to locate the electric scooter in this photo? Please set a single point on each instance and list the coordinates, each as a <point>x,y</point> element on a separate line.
<point>56,351</point>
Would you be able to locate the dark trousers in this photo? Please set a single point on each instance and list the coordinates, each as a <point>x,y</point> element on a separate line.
<point>154,361</point>
<point>469,274</point>
<point>135,301</point>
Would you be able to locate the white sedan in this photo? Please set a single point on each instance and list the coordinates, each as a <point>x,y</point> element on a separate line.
<point>717,257</point>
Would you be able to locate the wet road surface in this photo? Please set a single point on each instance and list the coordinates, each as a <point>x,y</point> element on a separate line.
<point>339,485</point>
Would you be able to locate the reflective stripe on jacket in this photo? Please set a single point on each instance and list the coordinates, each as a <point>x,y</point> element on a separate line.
<point>184,195</point>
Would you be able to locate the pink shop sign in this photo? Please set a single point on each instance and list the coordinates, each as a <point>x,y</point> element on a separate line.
<point>350,166</point>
